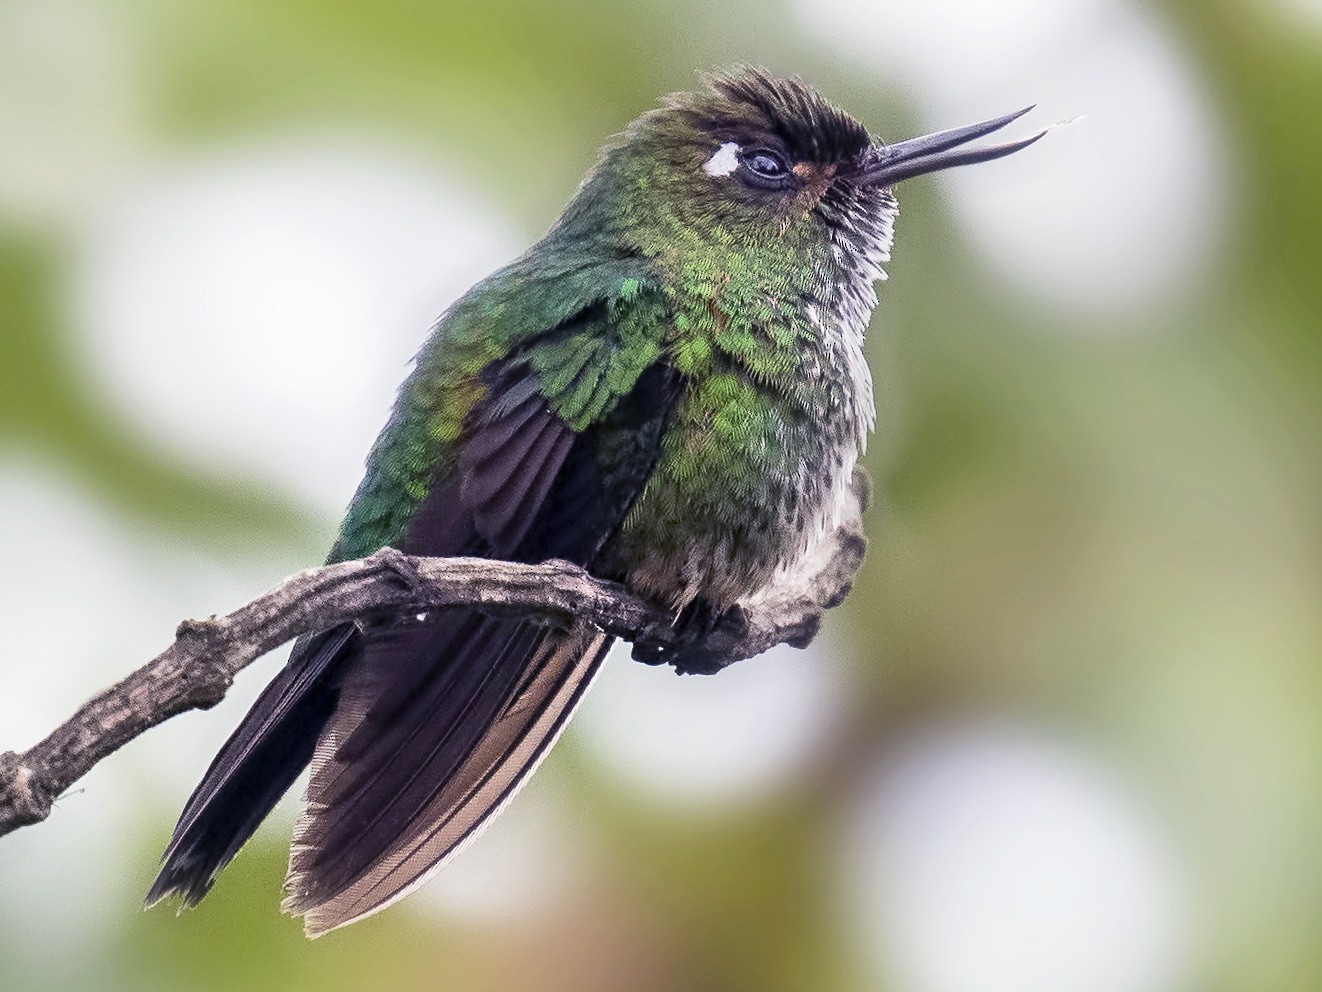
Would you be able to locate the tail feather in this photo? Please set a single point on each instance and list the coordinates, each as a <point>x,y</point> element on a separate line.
<point>346,865</point>
<point>377,786</point>
<point>255,767</point>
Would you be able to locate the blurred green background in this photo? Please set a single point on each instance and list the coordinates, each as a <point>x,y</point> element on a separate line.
<point>1066,734</point>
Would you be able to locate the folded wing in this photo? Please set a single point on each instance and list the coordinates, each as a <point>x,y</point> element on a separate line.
<point>439,722</point>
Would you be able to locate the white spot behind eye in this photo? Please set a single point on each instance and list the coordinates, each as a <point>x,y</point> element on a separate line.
<point>724,162</point>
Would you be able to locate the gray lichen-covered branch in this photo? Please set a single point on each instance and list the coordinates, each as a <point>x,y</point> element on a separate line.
<point>196,670</point>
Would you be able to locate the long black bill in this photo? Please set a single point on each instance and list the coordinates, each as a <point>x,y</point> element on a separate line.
<point>889,164</point>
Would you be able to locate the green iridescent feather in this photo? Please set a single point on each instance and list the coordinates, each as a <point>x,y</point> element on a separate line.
<point>514,311</point>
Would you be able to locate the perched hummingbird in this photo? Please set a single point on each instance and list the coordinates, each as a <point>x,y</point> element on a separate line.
<point>668,389</point>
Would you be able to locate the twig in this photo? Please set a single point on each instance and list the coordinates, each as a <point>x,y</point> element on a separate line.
<point>196,670</point>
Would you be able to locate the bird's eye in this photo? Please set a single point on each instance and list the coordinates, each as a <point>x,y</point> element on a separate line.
<point>765,168</point>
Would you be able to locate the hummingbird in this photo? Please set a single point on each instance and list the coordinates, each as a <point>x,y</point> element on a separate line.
<point>668,389</point>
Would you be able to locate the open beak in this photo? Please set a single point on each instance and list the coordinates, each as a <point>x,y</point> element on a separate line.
<point>887,165</point>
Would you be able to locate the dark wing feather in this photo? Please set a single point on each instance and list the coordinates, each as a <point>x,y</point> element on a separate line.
<point>503,479</point>
<point>518,485</point>
<point>255,767</point>
<point>476,790</point>
<point>376,772</point>
<point>440,722</point>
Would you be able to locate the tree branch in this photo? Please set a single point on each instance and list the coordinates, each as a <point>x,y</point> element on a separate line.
<point>196,670</point>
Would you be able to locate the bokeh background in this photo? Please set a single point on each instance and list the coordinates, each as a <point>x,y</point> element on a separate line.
<point>1066,734</point>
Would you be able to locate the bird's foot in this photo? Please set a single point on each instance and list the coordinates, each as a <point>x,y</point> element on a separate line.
<point>700,635</point>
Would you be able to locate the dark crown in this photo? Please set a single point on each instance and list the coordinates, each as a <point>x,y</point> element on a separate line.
<point>752,100</point>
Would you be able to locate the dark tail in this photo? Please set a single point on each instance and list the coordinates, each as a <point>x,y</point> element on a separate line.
<point>437,728</point>
<point>256,766</point>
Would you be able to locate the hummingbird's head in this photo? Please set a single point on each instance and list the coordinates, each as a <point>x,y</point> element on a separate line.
<point>754,164</point>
